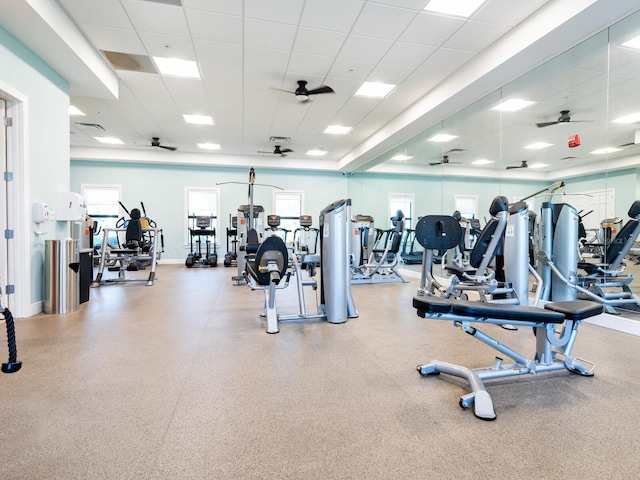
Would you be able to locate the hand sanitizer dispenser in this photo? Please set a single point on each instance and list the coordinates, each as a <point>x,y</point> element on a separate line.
<point>70,206</point>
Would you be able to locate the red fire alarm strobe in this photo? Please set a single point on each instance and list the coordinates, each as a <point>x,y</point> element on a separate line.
<point>574,140</point>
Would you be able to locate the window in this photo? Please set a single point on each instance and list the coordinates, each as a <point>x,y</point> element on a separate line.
<point>288,204</point>
<point>404,202</point>
<point>201,202</point>
<point>467,205</point>
<point>103,208</point>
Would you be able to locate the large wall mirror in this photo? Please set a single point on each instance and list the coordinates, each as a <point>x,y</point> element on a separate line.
<point>516,140</point>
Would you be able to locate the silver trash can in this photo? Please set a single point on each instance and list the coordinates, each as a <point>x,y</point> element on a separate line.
<point>61,279</point>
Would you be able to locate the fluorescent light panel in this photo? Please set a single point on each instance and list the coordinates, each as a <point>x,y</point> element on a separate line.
<point>538,145</point>
<point>317,153</point>
<point>337,130</point>
<point>198,119</point>
<point>633,43</point>
<point>75,111</point>
<point>401,158</point>
<point>459,8</point>
<point>374,89</point>
<point>512,105</point>
<point>209,146</point>
<point>538,165</point>
<point>632,118</point>
<point>110,140</point>
<point>482,161</point>
<point>442,137</point>
<point>602,151</point>
<point>177,67</point>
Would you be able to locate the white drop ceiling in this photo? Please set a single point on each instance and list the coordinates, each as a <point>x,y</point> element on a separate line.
<point>247,49</point>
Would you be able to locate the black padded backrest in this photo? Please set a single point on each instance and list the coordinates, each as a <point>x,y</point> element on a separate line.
<point>634,210</point>
<point>273,249</point>
<point>253,241</point>
<point>625,236</point>
<point>480,248</point>
<point>438,232</point>
<point>133,233</point>
<point>457,215</point>
<point>396,235</point>
<point>499,204</point>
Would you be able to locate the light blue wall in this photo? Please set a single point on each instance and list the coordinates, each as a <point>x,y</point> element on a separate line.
<point>47,132</point>
<point>162,189</point>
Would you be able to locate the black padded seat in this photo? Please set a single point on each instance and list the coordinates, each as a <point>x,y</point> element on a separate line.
<point>273,249</point>
<point>432,305</point>
<point>133,234</point>
<point>253,241</point>
<point>634,210</point>
<point>576,309</point>
<point>511,313</point>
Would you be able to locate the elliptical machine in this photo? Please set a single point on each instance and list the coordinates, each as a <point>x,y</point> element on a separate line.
<point>203,230</point>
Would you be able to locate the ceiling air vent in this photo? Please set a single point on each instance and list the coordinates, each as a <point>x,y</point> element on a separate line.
<point>89,126</point>
<point>129,61</point>
<point>280,140</point>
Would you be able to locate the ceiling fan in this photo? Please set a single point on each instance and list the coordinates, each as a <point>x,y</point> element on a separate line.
<point>302,92</point>
<point>563,118</point>
<point>522,165</point>
<point>155,142</point>
<point>279,151</point>
<point>445,157</point>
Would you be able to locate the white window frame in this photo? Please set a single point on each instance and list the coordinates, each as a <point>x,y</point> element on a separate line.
<point>101,186</point>
<point>473,198</point>
<point>188,222</point>
<point>274,203</point>
<point>408,216</point>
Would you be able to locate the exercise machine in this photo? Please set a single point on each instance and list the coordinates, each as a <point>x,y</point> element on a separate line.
<point>271,269</point>
<point>141,247</point>
<point>411,254</point>
<point>201,230</point>
<point>231,257</point>
<point>555,328</point>
<point>383,263</point>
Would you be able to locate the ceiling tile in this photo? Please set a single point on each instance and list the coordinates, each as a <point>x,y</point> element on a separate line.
<point>281,11</point>
<point>217,52</point>
<point>186,90</point>
<point>407,54</point>
<point>389,74</point>
<point>475,36</point>
<point>114,39</point>
<point>410,4</point>
<point>157,18</point>
<point>502,12</point>
<point>107,13</point>
<point>351,69</point>
<point>306,64</point>
<point>364,49</point>
<point>383,21</point>
<point>215,72</point>
<point>215,26</point>
<point>267,59</point>
<point>232,7</point>
<point>318,42</point>
<point>158,45</point>
<point>259,33</point>
<point>336,15</point>
<point>430,29</point>
<point>447,60</point>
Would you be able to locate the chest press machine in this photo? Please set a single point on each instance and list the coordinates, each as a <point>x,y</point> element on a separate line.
<point>555,326</point>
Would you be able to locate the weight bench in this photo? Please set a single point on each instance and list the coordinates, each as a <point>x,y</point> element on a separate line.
<point>553,348</point>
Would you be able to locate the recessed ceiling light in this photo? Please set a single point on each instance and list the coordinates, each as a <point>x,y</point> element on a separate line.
<point>374,89</point>
<point>317,153</point>
<point>601,151</point>
<point>209,146</point>
<point>538,145</point>
<point>442,137</point>
<point>74,111</point>
<point>538,165</point>
<point>337,130</point>
<point>512,105</point>
<point>109,140</point>
<point>177,67</point>
<point>633,43</point>
<point>482,161</point>
<point>400,158</point>
<point>198,119</point>
<point>459,8</point>
<point>633,118</point>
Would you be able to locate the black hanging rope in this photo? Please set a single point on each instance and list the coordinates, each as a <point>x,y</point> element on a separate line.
<point>13,365</point>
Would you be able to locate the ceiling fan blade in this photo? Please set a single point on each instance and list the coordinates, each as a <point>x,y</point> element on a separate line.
<point>281,90</point>
<point>436,163</point>
<point>322,89</point>
<point>546,124</point>
<point>173,149</point>
<point>513,166</point>
<point>262,151</point>
<point>286,150</point>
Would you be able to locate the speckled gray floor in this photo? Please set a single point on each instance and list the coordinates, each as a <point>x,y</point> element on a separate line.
<point>180,381</point>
